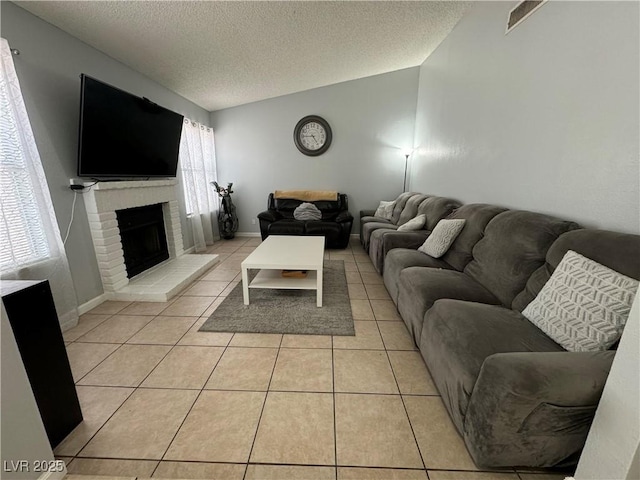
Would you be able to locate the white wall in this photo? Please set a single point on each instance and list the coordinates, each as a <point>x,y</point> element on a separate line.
<point>545,118</point>
<point>371,120</point>
<point>48,69</point>
<point>614,437</point>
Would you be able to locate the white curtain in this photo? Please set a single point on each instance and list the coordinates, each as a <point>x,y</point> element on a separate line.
<point>198,170</point>
<point>31,245</point>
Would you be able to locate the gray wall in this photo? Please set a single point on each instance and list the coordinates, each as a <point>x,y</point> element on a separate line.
<point>48,70</point>
<point>545,118</point>
<point>371,120</point>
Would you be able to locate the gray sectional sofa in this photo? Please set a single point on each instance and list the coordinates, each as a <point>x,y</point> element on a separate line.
<point>374,230</point>
<point>369,222</point>
<point>515,396</point>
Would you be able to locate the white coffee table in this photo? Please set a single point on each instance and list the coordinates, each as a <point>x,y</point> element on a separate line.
<point>285,252</point>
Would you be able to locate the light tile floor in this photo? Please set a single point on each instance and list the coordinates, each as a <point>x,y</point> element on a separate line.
<point>162,400</point>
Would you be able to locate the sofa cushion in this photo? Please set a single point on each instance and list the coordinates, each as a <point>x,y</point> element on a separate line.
<point>370,218</point>
<point>369,228</point>
<point>477,217</point>
<point>384,240</point>
<point>457,337</point>
<point>376,247</point>
<point>319,227</point>
<point>435,209</point>
<point>400,258</point>
<point>584,305</point>
<point>618,251</point>
<point>400,203</point>
<point>286,227</point>
<point>513,247</point>
<point>442,237</point>
<point>410,209</point>
<point>419,288</point>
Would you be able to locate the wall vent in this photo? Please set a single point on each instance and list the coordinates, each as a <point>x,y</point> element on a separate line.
<point>521,11</point>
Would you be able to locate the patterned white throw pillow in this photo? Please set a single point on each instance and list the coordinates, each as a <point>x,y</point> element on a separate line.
<point>416,223</point>
<point>443,235</point>
<point>385,210</point>
<point>584,305</point>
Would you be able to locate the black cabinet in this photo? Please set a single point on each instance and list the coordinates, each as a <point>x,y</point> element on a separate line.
<point>34,321</point>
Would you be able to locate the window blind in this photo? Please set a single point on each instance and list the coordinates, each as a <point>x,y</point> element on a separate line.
<point>22,233</point>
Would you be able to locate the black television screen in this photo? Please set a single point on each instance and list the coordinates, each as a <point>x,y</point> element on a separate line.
<point>122,135</point>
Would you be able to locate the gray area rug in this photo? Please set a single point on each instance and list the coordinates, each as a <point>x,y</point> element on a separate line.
<point>288,311</point>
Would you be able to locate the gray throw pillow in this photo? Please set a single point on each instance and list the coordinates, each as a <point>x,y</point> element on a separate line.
<point>442,236</point>
<point>584,305</point>
<point>307,211</point>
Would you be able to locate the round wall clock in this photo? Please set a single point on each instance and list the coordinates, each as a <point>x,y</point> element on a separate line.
<point>312,135</point>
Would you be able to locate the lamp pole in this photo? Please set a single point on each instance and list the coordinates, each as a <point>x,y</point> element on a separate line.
<point>406,161</point>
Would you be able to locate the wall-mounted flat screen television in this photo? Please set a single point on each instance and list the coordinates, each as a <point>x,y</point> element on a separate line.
<point>123,136</point>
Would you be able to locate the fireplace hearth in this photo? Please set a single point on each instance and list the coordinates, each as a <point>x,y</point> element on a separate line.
<point>143,237</point>
<point>104,203</point>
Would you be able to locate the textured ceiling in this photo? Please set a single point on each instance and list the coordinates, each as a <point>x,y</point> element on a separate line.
<point>221,54</point>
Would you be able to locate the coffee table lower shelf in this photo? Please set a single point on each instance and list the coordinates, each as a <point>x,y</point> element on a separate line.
<point>273,279</point>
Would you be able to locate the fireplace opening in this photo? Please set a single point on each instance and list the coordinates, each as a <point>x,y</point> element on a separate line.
<point>143,236</point>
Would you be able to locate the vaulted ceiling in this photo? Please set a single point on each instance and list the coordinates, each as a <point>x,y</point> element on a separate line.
<point>220,54</point>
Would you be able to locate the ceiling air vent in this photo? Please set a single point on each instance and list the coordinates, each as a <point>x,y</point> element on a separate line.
<point>522,11</point>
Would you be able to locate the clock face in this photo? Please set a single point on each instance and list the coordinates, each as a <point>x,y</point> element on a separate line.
<point>312,135</point>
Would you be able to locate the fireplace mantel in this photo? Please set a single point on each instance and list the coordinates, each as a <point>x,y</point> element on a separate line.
<point>101,202</point>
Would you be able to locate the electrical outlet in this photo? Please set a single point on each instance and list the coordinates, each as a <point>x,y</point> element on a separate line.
<point>253,221</point>
<point>76,184</point>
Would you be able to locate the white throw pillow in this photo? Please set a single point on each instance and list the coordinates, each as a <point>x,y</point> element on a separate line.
<point>416,223</point>
<point>443,235</point>
<point>385,210</point>
<point>584,305</point>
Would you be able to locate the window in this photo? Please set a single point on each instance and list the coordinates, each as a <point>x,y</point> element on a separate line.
<point>197,166</point>
<point>30,244</point>
<point>22,234</point>
<point>197,171</point>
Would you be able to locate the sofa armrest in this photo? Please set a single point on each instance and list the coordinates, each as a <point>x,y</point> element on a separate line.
<point>534,400</point>
<point>269,216</point>
<point>411,240</point>
<point>367,213</point>
<point>344,216</point>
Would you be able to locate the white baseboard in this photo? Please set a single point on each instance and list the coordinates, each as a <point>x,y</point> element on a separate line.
<point>91,304</point>
<point>189,250</point>
<point>69,320</point>
<point>247,234</point>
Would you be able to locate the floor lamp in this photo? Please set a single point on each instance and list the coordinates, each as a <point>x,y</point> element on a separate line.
<point>406,163</point>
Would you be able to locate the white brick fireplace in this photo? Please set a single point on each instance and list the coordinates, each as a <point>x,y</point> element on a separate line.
<point>160,282</point>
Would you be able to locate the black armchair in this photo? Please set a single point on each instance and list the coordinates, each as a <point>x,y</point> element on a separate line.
<point>335,225</point>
